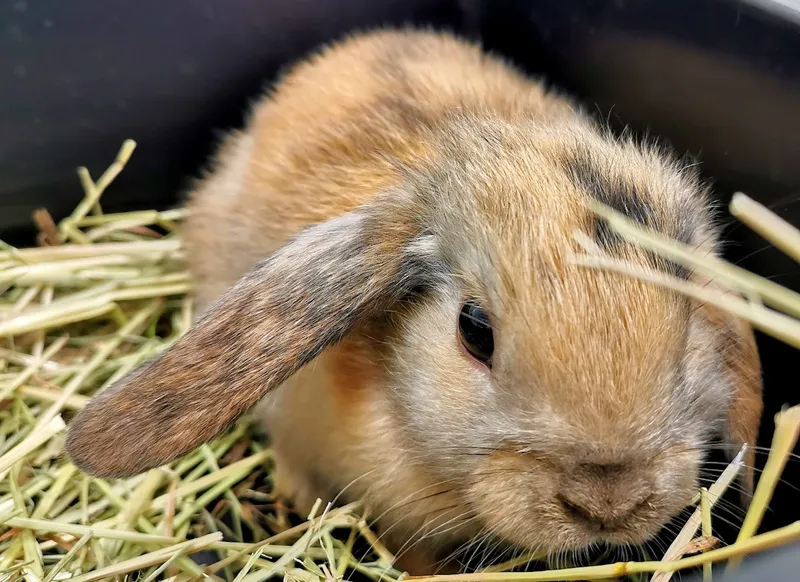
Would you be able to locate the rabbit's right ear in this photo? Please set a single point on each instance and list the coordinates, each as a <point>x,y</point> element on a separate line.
<point>282,314</point>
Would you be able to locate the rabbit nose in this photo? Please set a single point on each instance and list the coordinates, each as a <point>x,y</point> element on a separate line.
<point>602,503</point>
<point>597,514</point>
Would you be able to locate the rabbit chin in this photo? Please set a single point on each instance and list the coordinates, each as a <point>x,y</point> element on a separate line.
<point>546,529</point>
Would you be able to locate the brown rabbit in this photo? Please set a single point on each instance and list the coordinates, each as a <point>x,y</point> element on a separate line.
<point>399,214</point>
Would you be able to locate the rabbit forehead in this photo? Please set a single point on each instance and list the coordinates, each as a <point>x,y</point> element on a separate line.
<point>525,185</point>
<point>508,201</point>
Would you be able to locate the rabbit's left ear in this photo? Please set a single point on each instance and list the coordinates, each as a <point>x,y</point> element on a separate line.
<point>281,315</point>
<point>743,368</point>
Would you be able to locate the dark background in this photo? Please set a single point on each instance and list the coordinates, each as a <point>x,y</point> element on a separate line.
<point>717,78</point>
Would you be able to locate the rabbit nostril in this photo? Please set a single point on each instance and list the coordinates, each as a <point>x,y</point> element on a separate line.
<point>576,511</point>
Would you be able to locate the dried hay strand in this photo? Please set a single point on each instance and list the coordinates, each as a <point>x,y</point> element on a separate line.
<point>105,292</point>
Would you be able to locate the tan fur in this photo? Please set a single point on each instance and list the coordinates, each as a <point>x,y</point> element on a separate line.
<point>399,162</point>
<point>743,366</point>
<point>744,416</point>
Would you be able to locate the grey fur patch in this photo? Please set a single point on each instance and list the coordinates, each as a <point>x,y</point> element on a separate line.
<point>625,197</point>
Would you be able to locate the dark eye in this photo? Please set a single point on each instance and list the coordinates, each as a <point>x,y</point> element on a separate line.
<point>476,332</point>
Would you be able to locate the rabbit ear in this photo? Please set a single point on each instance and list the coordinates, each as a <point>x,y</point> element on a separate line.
<point>743,368</point>
<point>278,317</point>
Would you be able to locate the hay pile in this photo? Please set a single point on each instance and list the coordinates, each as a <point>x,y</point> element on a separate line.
<point>103,293</point>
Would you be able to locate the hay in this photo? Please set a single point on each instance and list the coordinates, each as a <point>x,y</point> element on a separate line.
<point>104,293</point>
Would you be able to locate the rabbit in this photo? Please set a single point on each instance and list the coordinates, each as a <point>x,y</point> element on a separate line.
<point>382,258</point>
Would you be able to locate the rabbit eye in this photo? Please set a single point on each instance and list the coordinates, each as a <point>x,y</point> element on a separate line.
<point>475,332</point>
